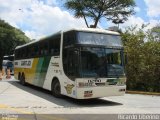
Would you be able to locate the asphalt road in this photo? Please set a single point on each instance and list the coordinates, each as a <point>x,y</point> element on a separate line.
<point>39,103</point>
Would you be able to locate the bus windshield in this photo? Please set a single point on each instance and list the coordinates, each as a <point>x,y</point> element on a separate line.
<point>101,62</point>
<point>99,39</point>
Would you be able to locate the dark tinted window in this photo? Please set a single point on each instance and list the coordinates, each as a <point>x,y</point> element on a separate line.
<point>99,39</point>
<point>69,38</point>
<point>54,45</point>
<point>49,46</point>
<point>71,62</point>
<point>101,62</point>
<point>43,48</point>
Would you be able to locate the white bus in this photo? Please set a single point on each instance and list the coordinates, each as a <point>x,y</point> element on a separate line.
<point>79,63</point>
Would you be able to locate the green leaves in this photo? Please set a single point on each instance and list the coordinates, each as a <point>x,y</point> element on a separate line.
<point>10,37</point>
<point>113,10</point>
<point>143,68</point>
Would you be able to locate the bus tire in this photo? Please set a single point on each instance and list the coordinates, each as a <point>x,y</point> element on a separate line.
<point>19,76</point>
<point>56,88</point>
<point>22,79</point>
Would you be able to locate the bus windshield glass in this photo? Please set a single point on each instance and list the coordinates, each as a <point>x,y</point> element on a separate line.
<point>99,39</point>
<point>101,62</point>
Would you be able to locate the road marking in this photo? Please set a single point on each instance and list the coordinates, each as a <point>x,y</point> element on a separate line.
<point>48,117</point>
<point>3,106</point>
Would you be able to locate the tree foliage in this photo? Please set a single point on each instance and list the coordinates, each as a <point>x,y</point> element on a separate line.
<point>10,37</point>
<point>143,68</point>
<point>115,10</point>
<point>156,32</point>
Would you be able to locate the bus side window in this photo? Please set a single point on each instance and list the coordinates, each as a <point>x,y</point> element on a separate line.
<point>57,45</point>
<point>35,50</point>
<point>46,48</point>
<point>16,54</point>
<point>23,52</point>
<point>28,52</point>
<point>41,51</point>
<point>32,53</point>
<point>52,51</point>
<point>51,47</point>
<point>54,45</point>
<point>45,52</point>
<point>20,53</point>
<point>43,48</point>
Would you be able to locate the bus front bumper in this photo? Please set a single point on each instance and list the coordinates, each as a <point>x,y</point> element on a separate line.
<point>97,92</point>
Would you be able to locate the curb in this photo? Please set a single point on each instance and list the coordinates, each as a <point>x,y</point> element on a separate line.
<point>143,93</point>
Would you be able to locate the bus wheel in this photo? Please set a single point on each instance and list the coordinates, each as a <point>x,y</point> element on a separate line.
<point>22,80</point>
<point>56,88</point>
<point>19,76</point>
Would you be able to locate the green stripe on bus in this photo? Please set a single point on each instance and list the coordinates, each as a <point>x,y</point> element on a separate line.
<point>44,69</point>
<point>38,72</point>
<point>41,71</point>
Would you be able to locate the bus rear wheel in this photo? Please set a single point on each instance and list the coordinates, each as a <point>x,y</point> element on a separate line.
<point>19,76</point>
<point>56,88</point>
<point>22,80</point>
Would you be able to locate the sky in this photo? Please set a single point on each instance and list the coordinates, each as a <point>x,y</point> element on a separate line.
<point>40,18</point>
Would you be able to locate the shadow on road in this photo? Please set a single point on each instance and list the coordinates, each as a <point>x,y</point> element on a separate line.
<point>64,101</point>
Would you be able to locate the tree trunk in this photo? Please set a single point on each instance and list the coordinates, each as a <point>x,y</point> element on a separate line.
<point>85,19</point>
<point>96,22</point>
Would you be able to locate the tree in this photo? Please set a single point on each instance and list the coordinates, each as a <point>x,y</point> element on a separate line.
<point>114,10</point>
<point>143,68</point>
<point>156,32</point>
<point>10,37</point>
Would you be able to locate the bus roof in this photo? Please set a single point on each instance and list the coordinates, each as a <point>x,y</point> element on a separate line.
<point>95,30</point>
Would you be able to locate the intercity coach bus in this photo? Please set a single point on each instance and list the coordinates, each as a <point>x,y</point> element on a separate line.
<point>80,63</point>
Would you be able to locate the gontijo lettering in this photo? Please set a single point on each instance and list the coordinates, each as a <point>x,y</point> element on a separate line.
<point>25,63</point>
